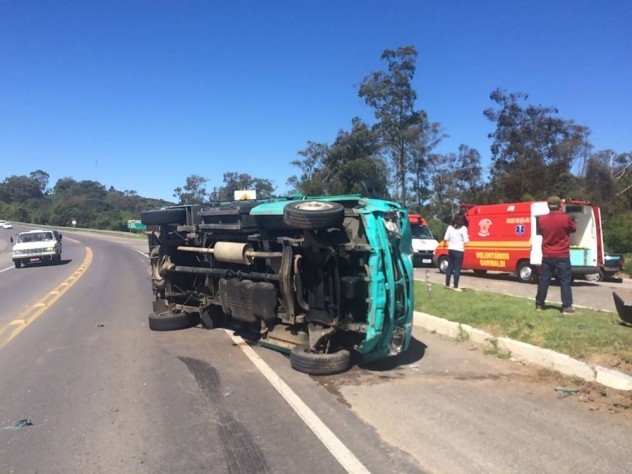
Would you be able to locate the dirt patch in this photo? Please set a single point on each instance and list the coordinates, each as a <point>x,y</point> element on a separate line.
<point>589,395</point>
<point>611,361</point>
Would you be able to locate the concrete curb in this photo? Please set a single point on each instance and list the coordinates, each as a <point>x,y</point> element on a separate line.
<point>526,352</point>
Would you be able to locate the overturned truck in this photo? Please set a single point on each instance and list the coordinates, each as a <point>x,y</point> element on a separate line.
<point>327,279</point>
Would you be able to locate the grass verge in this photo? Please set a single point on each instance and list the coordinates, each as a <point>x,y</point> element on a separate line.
<point>589,335</point>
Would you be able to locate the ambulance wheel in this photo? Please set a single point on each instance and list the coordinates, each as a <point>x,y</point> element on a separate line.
<point>526,272</point>
<point>599,276</point>
<point>443,263</point>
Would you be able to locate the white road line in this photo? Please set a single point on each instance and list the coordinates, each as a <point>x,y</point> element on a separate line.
<point>5,269</point>
<point>342,454</point>
<point>144,254</point>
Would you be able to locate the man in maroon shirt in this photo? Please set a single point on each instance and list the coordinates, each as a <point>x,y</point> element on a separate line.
<point>555,229</point>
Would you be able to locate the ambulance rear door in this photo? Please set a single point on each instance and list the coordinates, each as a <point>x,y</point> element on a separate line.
<point>538,208</point>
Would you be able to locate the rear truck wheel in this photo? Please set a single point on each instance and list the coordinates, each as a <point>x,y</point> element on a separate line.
<point>164,216</point>
<point>599,276</point>
<point>443,263</point>
<point>313,214</point>
<point>172,321</point>
<point>526,273</point>
<point>302,360</point>
<point>480,272</point>
<point>17,263</point>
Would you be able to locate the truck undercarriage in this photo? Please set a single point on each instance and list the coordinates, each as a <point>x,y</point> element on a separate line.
<point>318,278</point>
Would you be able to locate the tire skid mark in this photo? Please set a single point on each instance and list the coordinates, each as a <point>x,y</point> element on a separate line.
<point>22,321</point>
<point>240,450</point>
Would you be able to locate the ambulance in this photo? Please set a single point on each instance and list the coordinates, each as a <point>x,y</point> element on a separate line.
<point>503,238</point>
<point>424,243</point>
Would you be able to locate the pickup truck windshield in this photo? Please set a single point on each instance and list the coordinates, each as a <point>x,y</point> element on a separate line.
<point>35,237</point>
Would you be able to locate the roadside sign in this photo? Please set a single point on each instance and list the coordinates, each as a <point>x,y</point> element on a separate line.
<point>245,195</point>
<point>135,225</point>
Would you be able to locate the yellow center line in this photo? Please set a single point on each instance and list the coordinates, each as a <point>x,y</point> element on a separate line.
<point>32,313</point>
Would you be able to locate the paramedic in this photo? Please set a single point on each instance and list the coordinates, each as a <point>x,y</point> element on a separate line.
<point>456,236</point>
<point>555,228</point>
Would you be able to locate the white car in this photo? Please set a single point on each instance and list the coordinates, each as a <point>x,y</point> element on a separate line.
<point>37,246</point>
<point>6,225</point>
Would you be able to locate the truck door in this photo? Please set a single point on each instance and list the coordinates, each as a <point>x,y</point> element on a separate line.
<point>538,208</point>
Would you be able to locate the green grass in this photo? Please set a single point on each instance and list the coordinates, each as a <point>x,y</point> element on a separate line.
<point>589,335</point>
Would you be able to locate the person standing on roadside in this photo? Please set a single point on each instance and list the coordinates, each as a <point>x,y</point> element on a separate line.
<point>456,236</point>
<point>555,229</point>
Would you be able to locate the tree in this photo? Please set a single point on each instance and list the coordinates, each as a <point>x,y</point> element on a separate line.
<point>533,151</point>
<point>41,178</point>
<point>354,159</point>
<point>342,168</point>
<point>392,98</point>
<point>457,180</point>
<point>234,181</point>
<point>193,191</point>
<point>20,189</point>
<point>426,138</point>
<point>468,174</point>
<point>310,182</point>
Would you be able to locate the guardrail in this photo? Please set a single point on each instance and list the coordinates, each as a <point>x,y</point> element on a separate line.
<point>118,233</point>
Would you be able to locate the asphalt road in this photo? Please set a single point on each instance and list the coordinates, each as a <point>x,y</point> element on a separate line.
<point>106,394</point>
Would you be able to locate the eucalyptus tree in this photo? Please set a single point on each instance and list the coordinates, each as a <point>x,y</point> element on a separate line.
<point>457,179</point>
<point>353,159</point>
<point>310,181</point>
<point>468,174</point>
<point>391,96</point>
<point>193,192</point>
<point>533,150</point>
<point>234,181</point>
<point>423,141</point>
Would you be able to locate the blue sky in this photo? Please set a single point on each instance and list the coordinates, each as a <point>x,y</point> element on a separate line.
<point>140,94</point>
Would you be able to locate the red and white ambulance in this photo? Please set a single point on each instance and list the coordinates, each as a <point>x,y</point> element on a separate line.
<point>503,238</point>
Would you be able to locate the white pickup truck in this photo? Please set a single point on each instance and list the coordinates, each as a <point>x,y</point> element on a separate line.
<point>37,246</point>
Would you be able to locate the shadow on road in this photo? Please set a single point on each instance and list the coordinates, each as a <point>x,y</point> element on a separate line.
<point>416,351</point>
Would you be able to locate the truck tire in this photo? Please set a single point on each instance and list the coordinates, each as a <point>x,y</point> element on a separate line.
<point>17,263</point>
<point>319,364</point>
<point>526,273</point>
<point>313,214</point>
<point>164,216</point>
<point>172,321</point>
<point>443,263</point>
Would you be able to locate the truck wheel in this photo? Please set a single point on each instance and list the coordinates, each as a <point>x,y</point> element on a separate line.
<point>17,263</point>
<point>172,321</point>
<point>526,272</point>
<point>480,272</point>
<point>443,263</point>
<point>302,360</point>
<point>313,214</point>
<point>164,216</point>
